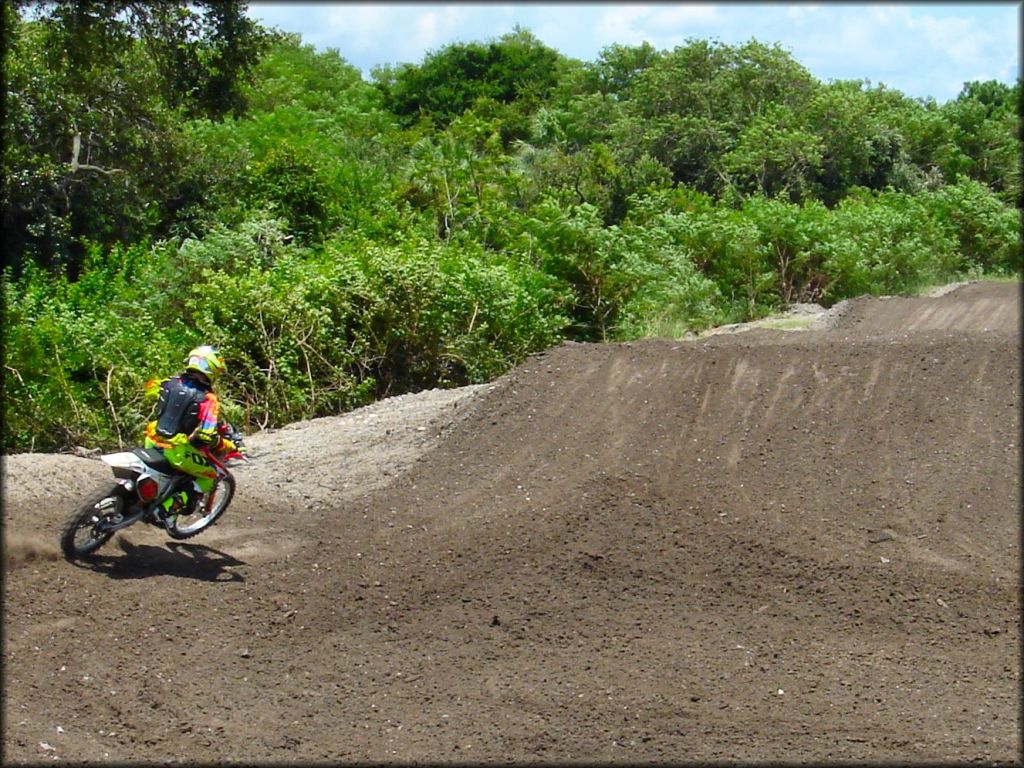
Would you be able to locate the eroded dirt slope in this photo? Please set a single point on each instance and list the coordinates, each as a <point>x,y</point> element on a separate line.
<point>770,546</point>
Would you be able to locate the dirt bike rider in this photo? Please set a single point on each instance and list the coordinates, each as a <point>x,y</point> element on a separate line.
<point>187,419</point>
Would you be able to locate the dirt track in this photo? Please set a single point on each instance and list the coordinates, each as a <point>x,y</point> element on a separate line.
<point>768,546</point>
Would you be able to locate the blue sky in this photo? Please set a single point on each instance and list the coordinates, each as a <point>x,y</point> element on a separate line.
<point>921,50</point>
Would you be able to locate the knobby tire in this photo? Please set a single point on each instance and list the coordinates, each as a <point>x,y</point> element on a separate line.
<point>105,502</point>
<point>220,497</point>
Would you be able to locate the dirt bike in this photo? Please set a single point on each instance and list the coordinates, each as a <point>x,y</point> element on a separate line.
<point>144,480</point>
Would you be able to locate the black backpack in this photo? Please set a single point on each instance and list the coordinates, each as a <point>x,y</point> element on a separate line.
<point>177,409</point>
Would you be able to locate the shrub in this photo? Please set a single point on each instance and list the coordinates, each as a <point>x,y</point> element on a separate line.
<point>884,244</point>
<point>988,232</point>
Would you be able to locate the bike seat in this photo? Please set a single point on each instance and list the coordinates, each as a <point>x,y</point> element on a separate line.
<point>155,458</point>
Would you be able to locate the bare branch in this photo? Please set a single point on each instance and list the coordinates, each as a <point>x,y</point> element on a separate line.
<point>110,404</point>
<point>76,148</point>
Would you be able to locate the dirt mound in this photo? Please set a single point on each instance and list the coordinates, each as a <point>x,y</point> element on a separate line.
<point>768,546</point>
<point>974,307</point>
<point>367,447</point>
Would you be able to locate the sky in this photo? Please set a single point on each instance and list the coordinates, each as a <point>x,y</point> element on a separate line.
<point>923,50</point>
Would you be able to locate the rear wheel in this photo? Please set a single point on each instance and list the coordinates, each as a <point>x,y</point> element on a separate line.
<point>85,530</point>
<point>210,507</point>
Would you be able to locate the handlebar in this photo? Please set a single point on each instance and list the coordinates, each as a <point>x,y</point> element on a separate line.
<point>220,462</point>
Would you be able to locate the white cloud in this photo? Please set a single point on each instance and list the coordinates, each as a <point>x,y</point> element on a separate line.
<point>801,12</point>
<point>891,14</point>
<point>920,49</point>
<point>446,24</point>
<point>355,20</point>
<point>426,30</point>
<point>660,25</point>
<point>358,27</point>
<point>619,25</point>
<point>904,47</point>
<point>681,17</point>
<point>857,37</point>
<point>959,37</point>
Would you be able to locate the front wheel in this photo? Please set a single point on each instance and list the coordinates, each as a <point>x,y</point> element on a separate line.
<point>86,529</point>
<point>210,507</point>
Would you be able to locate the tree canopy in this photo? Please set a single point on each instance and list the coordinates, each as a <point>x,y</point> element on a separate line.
<point>175,174</point>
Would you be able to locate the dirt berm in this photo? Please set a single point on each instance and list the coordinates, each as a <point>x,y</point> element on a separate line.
<point>778,546</point>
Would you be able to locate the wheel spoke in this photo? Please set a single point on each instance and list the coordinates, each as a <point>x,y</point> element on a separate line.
<point>208,509</point>
<point>85,531</point>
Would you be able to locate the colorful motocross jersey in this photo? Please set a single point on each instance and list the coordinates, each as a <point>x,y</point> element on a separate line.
<point>184,407</point>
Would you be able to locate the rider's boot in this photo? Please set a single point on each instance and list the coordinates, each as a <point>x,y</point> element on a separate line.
<point>177,503</point>
<point>195,497</point>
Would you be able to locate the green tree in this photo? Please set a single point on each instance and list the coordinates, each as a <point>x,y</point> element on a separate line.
<point>773,156</point>
<point>203,52</point>
<point>514,69</point>
<point>316,147</point>
<point>626,280</point>
<point>987,231</point>
<point>789,232</point>
<point>698,98</point>
<point>459,175</point>
<point>290,186</point>
<point>94,151</point>
<point>985,118</point>
<point>617,69</point>
<point>885,243</point>
<point>861,144</point>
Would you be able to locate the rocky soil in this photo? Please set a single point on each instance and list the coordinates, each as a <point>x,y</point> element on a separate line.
<point>771,546</point>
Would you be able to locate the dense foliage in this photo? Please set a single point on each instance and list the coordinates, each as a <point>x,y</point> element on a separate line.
<point>176,175</point>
